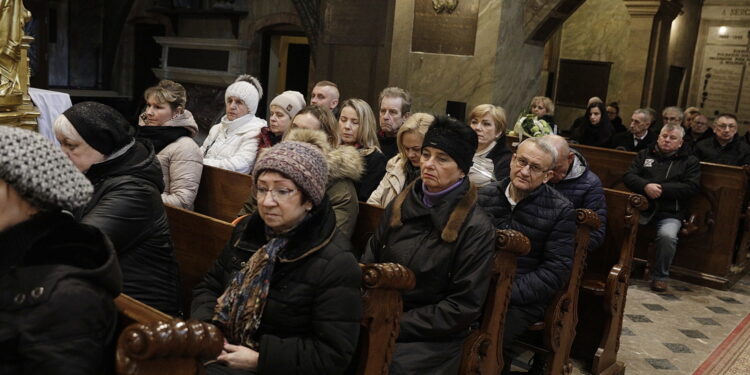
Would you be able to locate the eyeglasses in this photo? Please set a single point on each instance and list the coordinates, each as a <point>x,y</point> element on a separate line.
<point>278,195</point>
<point>726,126</point>
<point>533,168</point>
<point>666,118</point>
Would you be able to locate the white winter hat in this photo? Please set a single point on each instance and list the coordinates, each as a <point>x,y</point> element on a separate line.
<point>248,89</point>
<point>290,102</point>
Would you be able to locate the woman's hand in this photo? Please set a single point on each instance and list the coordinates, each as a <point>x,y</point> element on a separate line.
<point>239,357</point>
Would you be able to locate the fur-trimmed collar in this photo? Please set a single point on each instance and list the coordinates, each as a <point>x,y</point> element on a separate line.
<point>343,161</point>
<point>459,212</point>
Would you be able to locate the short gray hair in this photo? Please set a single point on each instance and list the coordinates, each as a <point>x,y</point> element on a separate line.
<point>678,110</point>
<point>648,112</point>
<point>545,146</point>
<point>64,127</point>
<point>671,127</point>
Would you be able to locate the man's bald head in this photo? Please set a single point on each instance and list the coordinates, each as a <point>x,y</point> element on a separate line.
<point>564,159</point>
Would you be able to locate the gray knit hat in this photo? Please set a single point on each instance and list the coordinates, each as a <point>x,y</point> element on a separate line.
<point>302,162</point>
<point>40,172</point>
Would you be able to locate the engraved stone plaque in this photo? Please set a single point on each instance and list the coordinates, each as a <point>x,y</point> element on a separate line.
<point>445,32</point>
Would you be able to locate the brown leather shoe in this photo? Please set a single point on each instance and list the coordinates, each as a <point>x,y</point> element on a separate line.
<point>659,286</point>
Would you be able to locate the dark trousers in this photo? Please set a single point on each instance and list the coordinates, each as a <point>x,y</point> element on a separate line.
<point>517,320</point>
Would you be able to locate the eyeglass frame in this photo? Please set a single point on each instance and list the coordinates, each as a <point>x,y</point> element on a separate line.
<point>285,194</point>
<point>533,169</point>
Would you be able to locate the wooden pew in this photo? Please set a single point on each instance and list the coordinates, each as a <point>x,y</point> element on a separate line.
<point>605,285</point>
<point>151,342</point>
<point>716,254</point>
<point>383,285</point>
<point>559,326</point>
<point>483,349</point>
<point>368,220</point>
<point>221,193</point>
<point>198,241</point>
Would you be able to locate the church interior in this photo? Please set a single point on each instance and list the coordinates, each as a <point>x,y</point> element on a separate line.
<point>450,56</point>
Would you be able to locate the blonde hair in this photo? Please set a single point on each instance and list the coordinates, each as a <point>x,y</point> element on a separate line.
<point>328,123</point>
<point>367,135</point>
<point>417,123</point>
<point>496,112</point>
<point>169,92</point>
<point>549,106</point>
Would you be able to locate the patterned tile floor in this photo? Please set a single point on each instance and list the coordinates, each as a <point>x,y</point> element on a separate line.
<point>674,332</point>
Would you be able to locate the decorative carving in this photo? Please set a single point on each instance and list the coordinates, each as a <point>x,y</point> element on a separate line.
<point>169,346</point>
<point>482,352</point>
<point>444,5</point>
<point>13,16</point>
<point>383,284</point>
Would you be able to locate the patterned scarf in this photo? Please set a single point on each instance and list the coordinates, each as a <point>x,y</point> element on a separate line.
<point>240,309</point>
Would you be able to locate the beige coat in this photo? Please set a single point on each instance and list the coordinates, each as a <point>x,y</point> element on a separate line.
<point>181,164</point>
<point>345,166</point>
<point>392,183</point>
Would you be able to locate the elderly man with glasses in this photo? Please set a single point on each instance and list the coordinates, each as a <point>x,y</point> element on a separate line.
<point>725,147</point>
<point>672,116</point>
<point>525,202</point>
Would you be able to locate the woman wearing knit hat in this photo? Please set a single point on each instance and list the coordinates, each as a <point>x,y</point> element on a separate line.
<point>170,128</point>
<point>285,291</point>
<point>283,109</point>
<point>359,128</point>
<point>126,204</point>
<point>344,170</point>
<point>233,143</point>
<point>58,278</point>
<point>435,228</point>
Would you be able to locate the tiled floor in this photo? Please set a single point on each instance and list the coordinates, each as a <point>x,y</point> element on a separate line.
<point>674,332</point>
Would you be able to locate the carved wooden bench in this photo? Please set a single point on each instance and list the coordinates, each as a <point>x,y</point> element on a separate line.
<point>483,349</point>
<point>383,284</point>
<point>198,240</point>
<point>605,285</point>
<point>717,253</point>
<point>151,342</point>
<point>221,193</point>
<point>559,326</point>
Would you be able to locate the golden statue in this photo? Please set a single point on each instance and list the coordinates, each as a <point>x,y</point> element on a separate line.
<point>13,16</point>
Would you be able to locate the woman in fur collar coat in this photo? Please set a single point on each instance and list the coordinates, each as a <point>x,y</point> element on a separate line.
<point>345,167</point>
<point>170,128</point>
<point>436,230</point>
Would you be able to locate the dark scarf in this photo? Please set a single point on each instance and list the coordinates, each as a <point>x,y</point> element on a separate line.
<point>161,136</point>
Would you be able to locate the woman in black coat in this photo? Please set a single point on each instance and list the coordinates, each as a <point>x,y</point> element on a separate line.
<point>285,291</point>
<point>126,204</point>
<point>58,278</point>
<point>435,228</point>
<point>596,130</point>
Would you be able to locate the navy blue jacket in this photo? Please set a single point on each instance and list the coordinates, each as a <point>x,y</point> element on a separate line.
<point>549,221</point>
<point>583,188</point>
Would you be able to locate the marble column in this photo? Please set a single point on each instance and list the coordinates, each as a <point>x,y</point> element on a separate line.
<point>646,68</point>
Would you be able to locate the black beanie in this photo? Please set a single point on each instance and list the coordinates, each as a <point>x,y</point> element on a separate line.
<point>100,125</point>
<point>454,138</point>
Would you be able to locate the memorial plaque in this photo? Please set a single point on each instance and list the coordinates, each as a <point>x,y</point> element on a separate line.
<point>725,84</point>
<point>442,30</point>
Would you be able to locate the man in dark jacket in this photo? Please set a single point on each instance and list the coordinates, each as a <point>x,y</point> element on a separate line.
<point>725,147</point>
<point>639,134</point>
<point>525,202</point>
<point>668,176</point>
<point>394,106</point>
<point>573,178</point>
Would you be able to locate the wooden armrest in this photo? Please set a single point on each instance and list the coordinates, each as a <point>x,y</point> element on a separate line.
<point>387,276</point>
<point>167,347</point>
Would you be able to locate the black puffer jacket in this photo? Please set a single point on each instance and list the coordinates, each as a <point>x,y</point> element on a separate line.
<point>311,320</point>
<point>500,156</point>
<point>373,172</point>
<point>584,189</point>
<point>678,174</point>
<point>548,219</point>
<point>127,207</point>
<point>449,248</point>
<point>58,279</point>
<point>736,152</point>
